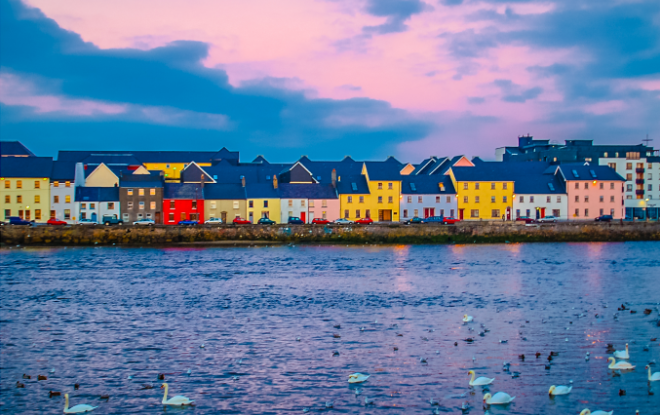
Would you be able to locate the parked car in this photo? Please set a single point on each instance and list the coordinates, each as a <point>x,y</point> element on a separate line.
<point>188,222</point>
<point>413,221</point>
<point>434,219</point>
<point>294,220</point>
<point>240,221</point>
<point>265,221</point>
<point>111,220</point>
<point>144,222</point>
<point>56,222</point>
<point>604,218</point>
<point>213,221</point>
<point>448,220</point>
<point>86,222</point>
<point>548,219</point>
<point>342,221</point>
<point>15,220</point>
<point>320,221</point>
<point>525,219</point>
<point>364,221</point>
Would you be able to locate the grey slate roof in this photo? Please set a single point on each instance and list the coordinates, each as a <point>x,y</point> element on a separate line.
<point>224,191</point>
<point>183,191</point>
<point>26,167</point>
<point>97,194</point>
<point>426,185</point>
<point>63,171</point>
<point>112,159</point>
<point>589,172</point>
<point>345,185</point>
<point>389,169</point>
<point>14,148</point>
<point>141,180</point>
<point>225,172</point>
<point>533,177</point>
<point>261,191</point>
<point>154,156</point>
<point>307,191</point>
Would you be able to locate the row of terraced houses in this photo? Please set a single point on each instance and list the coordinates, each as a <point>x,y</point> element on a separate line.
<point>574,181</point>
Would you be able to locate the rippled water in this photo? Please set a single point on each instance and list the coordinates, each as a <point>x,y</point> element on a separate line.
<point>99,315</point>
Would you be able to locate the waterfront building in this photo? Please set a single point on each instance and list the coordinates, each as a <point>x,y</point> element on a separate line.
<point>642,186</point>
<point>226,201</point>
<point>484,190</point>
<point>183,201</point>
<point>141,196</point>
<point>540,191</point>
<point>427,195</point>
<point>95,202</point>
<point>24,185</point>
<point>309,201</point>
<point>592,191</point>
<point>384,183</point>
<point>263,201</point>
<point>63,191</point>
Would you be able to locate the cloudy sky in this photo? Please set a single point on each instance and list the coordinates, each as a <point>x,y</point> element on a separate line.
<point>327,78</point>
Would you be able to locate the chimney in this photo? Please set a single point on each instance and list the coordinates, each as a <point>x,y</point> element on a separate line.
<point>274,181</point>
<point>243,181</point>
<point>202,180</point>
<point>334,177</point>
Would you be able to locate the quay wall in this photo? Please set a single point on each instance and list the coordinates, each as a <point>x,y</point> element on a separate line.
<point>394,233</point>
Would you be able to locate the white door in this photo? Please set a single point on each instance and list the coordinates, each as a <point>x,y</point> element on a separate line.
<point>311,217</point>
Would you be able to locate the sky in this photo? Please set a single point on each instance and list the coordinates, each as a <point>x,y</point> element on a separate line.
<point>327,78</point>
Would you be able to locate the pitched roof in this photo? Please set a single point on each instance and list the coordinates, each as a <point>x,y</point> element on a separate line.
<point>261,191</point>
<point>112,159</point>
<point>97,194</point>
<point>427,185</point>
<point>141,180</point>
<point>585,171</point>
<point>224,191</point>
<point>153,156</point>
<point>183,191</point>
<point>14,148</point>
<point>26,166</point>
<point>307,191</point>
<point>225,172</point>
<point>353,184</point>
<point>63,171</point>
<point>389,169</point>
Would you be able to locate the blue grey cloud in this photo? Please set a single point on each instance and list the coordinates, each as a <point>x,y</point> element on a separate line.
<point>396,12</point>
<point>515,93</point>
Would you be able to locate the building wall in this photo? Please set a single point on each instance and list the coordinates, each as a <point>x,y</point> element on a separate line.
<point>316,209</point>
<point>532,203</point>
<point>258,209</point>
<point>351,204</point>
<point>411,203</point>
<point>650,186</point>
<point>483,207</point>
<point>59,207</point>
<point>592,208</point>
<point>34,201</point>
<point>102,176</point>
<point>176,210</point>
<point>130,204</point>
<point>294,207</point>
<point>390,198</point>
<point>172,171</point>
<point>87,209</point>
<point>232,209</point>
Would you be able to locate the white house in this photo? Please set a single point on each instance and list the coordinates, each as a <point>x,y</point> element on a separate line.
<point>642,186</point>
<point>539,191</point>
<point>62,191</point>
<point>95,202</point>
<point>423,196</point>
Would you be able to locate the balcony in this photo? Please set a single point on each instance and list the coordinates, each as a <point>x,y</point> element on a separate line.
<point>639,181</point>
<point>639,170</point>
<point>639,192</point>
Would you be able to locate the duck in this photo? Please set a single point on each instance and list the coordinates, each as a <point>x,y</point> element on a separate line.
<point>588,412</point>
<point>653,377</point>
<point>178,400</point>
<point>467,319</point>
<point>480,381</point>
<point>78,409</point>
<point>500,398</point>
<point>357,378</point>
<point>560,390</point>
<point>622,354</point>
<point>621,365</point>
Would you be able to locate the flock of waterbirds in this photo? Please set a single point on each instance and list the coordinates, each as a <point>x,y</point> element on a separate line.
<point>499,398</point>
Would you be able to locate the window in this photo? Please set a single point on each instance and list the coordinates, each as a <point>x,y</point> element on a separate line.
<point>357,213</point>
<point>442,212</point>
<point>7,185</point>
<point>140,216</point>
<point>577,198</point>
<point>649,176</point>
<point>419,199</point>
<point>380,186</point>
<point>7,199</point>
<point>611,198</point>
<point>504,186</point>
<point>213,205</point>
<point>586,185</point>
<point>474,213</point>
<point>324,214</point>
<point>522,199</point>
<point>19,199</point>
<point>602,185</point>
<point>350,199</point>
<point>152,205</point>
<point>56,199</point>
<point>611,165</point>
<point>346,213</point>
<point>555,213</point>
<point>56,184</point>
<point>628,196</point>
<point>517,213</point>
<point>601,211</point>
<point>437,199</point>
<point>604,155</point>
<point>492,186</point>
<point>265,203</point>
<point>504,199</point>
<point>141,204</point>
<point>37,214</point>
<point>465,199</point>
<point>389,199</point>
<point>37,184</point>
<point>476,186</point>
<point>111,205</point>
<point>586,199</point>
<point>602,199</point>
<point>409,199</point>
<point>170,217</point>
<point>140,192</point>
<point>558,199</point>
<point>129,192</point>
<point>389,186</point>
<point>629,187</point>
<point>290,213</point>
<point>531,199</point>
<point>324,203</point>
<point>577,185</point>
<point>492,199</point>
<point>172,204</point>
<point>586,213</point>
<point>476,199</point>
<point>67,184</point>
<point>37,199</point>
<point>629,177</point>
<point>302,203</point>
<point>235,204</point>
<point>405,213</point>
<point>628,166</point>
<point>448,199</point>
<point>311,203</point>
<point>495,213</point>
<point>67,214</point>
<point>367,213</point>
<point>129,205</point>
<point>152,192</point>
<point>465,186</point>
<point>67,199</point>
<point>527,212</point>
<point>92,205</point>
<point>612,212</point>
<point>19,184</point>
<point>415,213</point>
<point>251,203</point>
<point>361,199</point>
<point>547,199</point>
<point>7,213</point>
<point>650,187</point>
<point>125,216</point>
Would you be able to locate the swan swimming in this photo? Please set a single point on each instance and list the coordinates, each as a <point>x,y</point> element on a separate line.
<point>78,409</point>
<point>178,400</point>
<point>560,390</point>
<point>357,378</point>
<point>653,377</point>
<point>467,319</point>
<point>500,398</point>
<point>622,354</point>
<point>588,412</point>
<point>621,365</point>
<point>480,381</point>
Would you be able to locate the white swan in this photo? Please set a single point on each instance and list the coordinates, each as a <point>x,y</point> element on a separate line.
<point>500,398</point>
<point>621,365</point>
<point>176,400</point>
<point>622,354</point>
<point>480,381</point>
<point>78,409</point>
<point>653,377</point>
<point>560,390</point>
<point>588,412</point>
<point>467,319</point>
<point>357,378</point>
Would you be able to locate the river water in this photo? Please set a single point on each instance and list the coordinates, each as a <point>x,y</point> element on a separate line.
<point>113,319</point>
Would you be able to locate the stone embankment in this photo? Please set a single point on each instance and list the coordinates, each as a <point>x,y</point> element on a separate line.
<point>393,233</point>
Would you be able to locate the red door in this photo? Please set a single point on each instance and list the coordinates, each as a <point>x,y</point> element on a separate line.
<point>543,212</point>
<point>302,216</point>
<point>428,212</point>
<point>460,214</point>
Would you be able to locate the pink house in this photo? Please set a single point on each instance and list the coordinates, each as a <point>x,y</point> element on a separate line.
<point>324,208</point>
<point>593,191</point>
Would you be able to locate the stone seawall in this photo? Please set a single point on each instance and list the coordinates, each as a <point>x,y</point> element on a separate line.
<point>465,232</point>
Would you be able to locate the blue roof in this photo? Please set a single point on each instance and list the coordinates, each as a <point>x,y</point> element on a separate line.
<point>585,171</point>
<point>426,185</point>
<point>155,156</point>
<point>14,148</point>
<point>224,191</point>
<point>112,159</point>
<point>26,167</point>
<point>307,191</point>
<point>141,180</point>
<point>97,194</point>
<point>261,191</point>
<point>183,191</point>
<point>353,184</point>
<point>63,171</point>
<point>389,169</point>
<point>225,172</point>
<point>532,177</point>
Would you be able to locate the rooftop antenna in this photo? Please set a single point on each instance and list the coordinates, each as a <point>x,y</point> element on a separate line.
<point>647,140</point>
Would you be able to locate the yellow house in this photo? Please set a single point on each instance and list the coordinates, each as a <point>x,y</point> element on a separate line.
<point>25,187</point>
<point>224,201</point>
<point>484,191</point>
<point>263,201</point>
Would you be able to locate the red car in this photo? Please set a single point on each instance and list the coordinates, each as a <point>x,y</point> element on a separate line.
<point>241,221</point>
<point>365,221</point>
<point>54,221</point>
<point>320,221</point>
<point>526,219</point>
<point>449,220</point>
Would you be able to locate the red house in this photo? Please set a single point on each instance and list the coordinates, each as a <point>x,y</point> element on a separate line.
<point>183,201</point>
